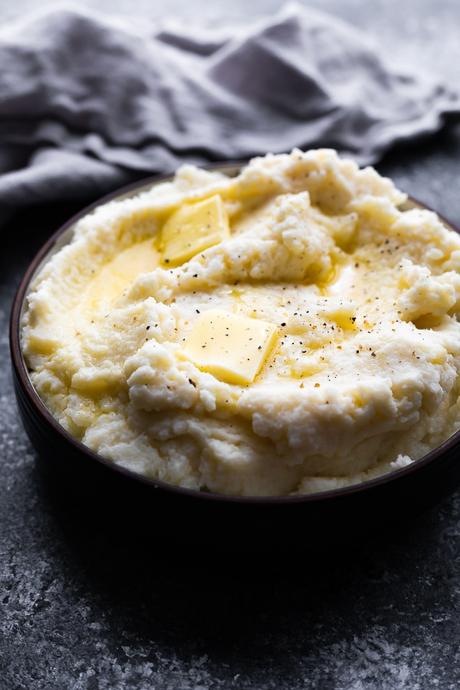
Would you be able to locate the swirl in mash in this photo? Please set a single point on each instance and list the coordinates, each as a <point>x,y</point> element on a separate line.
<point>357,369</point>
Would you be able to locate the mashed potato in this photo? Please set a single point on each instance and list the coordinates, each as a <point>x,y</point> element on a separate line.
<point>285,331</point>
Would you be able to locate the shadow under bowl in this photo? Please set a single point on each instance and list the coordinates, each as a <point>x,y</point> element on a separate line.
<point>121,496</point>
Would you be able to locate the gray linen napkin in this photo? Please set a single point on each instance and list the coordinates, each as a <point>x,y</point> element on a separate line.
<point>89,103</point>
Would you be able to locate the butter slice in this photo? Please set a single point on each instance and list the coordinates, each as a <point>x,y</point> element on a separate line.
<point>231,347</point>
<point>192,229</point>
<point>118,275</point>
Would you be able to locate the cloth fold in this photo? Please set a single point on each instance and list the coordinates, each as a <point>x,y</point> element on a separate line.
<point>88,103</point>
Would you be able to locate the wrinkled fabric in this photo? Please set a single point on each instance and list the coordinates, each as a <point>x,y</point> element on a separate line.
<point>89,103</point>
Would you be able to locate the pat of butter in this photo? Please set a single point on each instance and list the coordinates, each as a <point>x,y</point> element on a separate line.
<point>231,347</point>
<point>192,229</point>
<point>118,275</point>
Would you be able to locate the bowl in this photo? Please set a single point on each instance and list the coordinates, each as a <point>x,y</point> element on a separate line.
<point>301,520</point>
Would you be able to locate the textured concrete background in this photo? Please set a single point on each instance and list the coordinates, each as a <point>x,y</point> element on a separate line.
<point>82,608</point>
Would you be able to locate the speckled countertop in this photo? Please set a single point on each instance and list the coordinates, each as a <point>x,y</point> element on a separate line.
<point>82,608</point>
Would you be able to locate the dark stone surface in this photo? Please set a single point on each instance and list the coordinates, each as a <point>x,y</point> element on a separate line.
<point>84,607</point>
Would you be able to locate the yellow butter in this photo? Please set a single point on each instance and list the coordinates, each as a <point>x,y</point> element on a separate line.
<point>231,347</point>
<point>119,274</point>
<point>192,229</point>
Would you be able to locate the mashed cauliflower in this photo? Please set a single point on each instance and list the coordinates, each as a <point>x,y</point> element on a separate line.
<point>352,371</point>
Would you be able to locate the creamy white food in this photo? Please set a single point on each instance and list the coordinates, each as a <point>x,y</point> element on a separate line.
<point>289,330</point>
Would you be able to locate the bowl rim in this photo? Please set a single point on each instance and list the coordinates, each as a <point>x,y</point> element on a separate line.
<point>22,375</point>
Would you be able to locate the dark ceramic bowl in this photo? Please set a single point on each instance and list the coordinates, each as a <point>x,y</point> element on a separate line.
<point>340,514</point>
